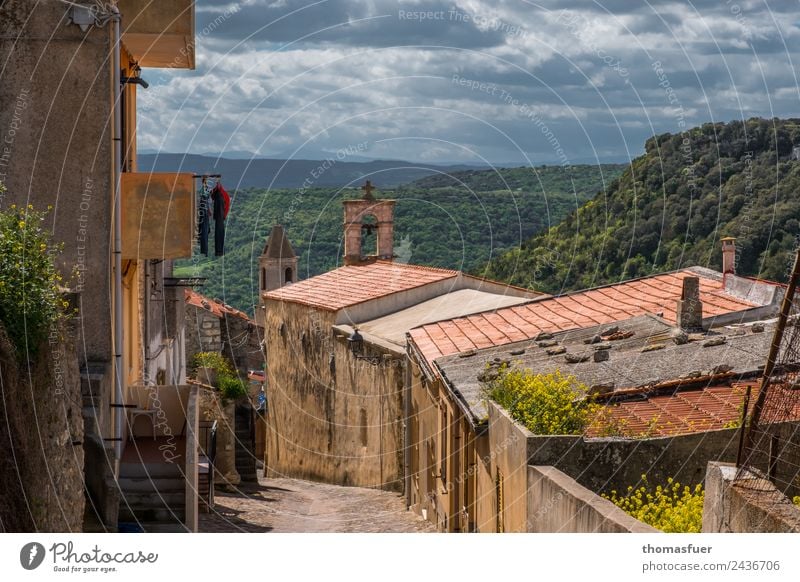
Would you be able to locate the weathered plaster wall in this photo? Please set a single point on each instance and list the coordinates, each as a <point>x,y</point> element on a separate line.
<point>558,504</point>
<point>330,417</point>
<point>508,467</point>
<point>747,505</point>
<point>600,465</point>
<point>442,443</point>
<point>55,145</point>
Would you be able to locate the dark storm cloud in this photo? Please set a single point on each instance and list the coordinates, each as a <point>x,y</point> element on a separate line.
<point>273,75</point>
<point>352,23</point>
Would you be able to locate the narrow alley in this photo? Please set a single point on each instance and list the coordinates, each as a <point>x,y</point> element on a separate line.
<point>293,505</point>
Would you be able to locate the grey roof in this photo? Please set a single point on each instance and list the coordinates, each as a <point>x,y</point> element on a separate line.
<point>458,303</point>
<point>278,245</point>
<point>648,357</point>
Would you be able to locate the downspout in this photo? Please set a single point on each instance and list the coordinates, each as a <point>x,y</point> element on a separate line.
<point>118,332</point>
<point>406,427</point>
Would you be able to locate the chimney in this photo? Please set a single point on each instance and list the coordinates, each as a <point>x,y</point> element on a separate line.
<point>689,312</point>
<point>728,255</point>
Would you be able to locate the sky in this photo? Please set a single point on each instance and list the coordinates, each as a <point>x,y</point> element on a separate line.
<point>504,82</point>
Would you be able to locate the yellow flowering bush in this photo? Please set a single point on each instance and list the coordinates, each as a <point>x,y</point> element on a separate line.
<point>30,299</point>
<point>672,509</point>
<point>546,404</point>
<point>796,500</point>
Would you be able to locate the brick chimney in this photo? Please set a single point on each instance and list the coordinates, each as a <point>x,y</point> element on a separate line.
<point>689,312</point>
<point>728,255</point>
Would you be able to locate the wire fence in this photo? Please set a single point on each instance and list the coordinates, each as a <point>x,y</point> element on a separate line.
<point>770,445</point>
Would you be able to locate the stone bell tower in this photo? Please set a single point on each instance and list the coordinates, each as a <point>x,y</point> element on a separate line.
<point>357,220</point>
<point>277,265</point>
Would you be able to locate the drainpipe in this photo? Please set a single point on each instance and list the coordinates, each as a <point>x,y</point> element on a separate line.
<point>407,378</point>
<point>119,412</point>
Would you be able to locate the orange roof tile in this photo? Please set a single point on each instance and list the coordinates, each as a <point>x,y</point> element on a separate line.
<point>354,284</point>
<point>213,305</point>
<point>655,295</point>
<point>685,411</point>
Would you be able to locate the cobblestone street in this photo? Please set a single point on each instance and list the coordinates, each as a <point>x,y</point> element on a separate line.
<point>291,505</point>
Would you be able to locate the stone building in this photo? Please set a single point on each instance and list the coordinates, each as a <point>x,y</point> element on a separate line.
<point>68,123</point>
<point>469,466</point>
<point>335,350</point>
<point>213,326</point>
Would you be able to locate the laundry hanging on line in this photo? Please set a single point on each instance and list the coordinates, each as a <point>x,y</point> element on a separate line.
<point>213,206</point>
<point>222,204</point>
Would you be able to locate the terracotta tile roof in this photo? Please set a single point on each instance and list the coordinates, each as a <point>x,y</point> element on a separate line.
<point>354,284</point>
<point>655,295</point>
<point>685,411</point>
<point>214,306</point>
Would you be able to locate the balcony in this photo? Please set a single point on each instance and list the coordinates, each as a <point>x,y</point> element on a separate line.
<point>163,461</point>
<point>158,215</point>
<point>159,34</point>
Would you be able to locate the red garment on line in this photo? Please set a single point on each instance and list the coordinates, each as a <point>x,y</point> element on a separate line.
<point>218,189</point>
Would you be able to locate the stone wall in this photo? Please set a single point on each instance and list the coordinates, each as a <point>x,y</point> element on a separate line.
<point>330,417</point>
<point>750,504</point>
<point>558,504</point>
<point>203,332</point>
<point>600,465</point>
<point>41,457</point>
<point>241,343</point>
<point>508,468</point>
<point>236,338</point>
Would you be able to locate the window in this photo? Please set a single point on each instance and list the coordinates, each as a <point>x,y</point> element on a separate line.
<point>287,275</point>
<point>263,279</point>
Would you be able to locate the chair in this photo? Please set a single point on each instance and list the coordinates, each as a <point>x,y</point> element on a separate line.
<point>142,402</point>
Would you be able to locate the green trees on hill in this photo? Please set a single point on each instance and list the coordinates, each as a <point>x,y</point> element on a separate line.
<point>459,221</point>
<point>670,208</point>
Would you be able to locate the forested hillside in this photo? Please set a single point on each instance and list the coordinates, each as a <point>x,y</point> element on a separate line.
<point>670,209</point>
<point>460,221</point>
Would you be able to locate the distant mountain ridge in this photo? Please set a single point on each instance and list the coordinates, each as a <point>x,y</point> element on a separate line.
<point>277,173</point>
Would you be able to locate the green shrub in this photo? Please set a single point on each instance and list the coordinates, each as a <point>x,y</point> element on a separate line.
<point>672,509</point>
<point>231,387</point>
<point>543,403</point>
<point>31,302</point>
<point>213,360</point>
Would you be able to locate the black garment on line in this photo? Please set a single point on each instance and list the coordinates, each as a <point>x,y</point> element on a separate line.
<point>219,223</point>
<point>202,225</point>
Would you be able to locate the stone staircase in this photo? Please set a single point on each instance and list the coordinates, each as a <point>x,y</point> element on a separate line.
<point>245,442</point>
<point>152,497</point>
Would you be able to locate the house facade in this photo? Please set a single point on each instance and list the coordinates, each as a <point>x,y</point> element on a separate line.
<point>69,103</point>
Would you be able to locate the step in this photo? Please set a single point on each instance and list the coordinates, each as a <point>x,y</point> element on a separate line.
<point>153,527</point>
<point>150,470</point>
<point>147,484</point>
<point>151,499</point>
<point>171,516</point>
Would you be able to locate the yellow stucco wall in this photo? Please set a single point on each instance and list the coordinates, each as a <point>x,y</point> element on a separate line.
<point>341,426</point>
